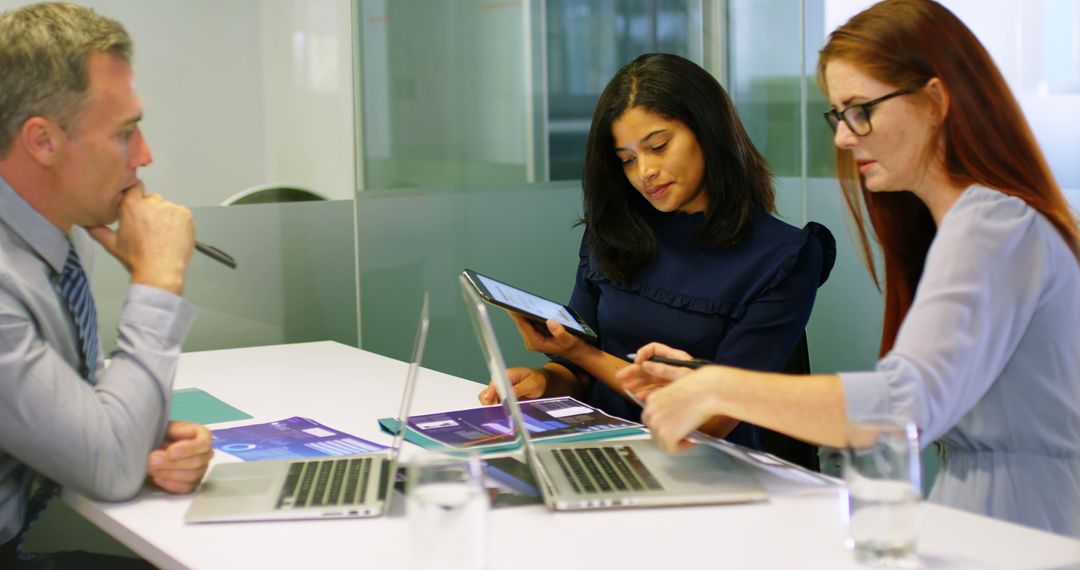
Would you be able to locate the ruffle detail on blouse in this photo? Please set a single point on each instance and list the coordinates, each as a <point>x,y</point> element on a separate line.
<point>764,265</point>
<point>686,302</point>
<point>825,239</point>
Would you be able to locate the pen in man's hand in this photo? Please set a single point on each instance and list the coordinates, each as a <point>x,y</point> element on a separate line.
<point>215,254</point>
<point>692,363</point>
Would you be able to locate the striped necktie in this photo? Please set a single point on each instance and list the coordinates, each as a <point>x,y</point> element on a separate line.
<point>75,288</point>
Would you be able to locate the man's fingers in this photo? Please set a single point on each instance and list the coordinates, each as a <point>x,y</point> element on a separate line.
<point>105,236</point>
<point>155,459</point>
<point>179,450</point>
<point>184,457</point>
<point>184,430</point>
<point>187,448</point>
<point>176,487</point>
<point>192,463</point>
<point>136,190</point>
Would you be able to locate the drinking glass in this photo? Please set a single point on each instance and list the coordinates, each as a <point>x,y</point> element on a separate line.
<point>884,486</point>
<point>447,508</point>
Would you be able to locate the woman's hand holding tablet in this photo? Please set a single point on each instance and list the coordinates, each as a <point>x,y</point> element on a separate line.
<point>528,305</point>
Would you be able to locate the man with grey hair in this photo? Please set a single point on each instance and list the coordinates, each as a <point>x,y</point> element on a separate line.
<point>70,146</point>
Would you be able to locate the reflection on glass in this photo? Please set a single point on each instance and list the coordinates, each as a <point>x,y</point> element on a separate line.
<point>587,42</point>
<point>444,100</point>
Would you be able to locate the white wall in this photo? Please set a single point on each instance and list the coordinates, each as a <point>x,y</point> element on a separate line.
<point>242,93</point>
<point>307,94</point>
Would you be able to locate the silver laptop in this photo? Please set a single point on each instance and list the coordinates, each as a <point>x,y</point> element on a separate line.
<point>330,487</point>
<point>613,474</point>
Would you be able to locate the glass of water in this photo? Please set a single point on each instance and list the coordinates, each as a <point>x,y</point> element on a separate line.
<point>447,507</point>
<point>884,486</point>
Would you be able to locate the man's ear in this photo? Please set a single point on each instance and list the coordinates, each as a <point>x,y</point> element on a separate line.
<point>43,140</point>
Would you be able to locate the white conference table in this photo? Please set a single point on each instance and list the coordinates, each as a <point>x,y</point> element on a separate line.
<point>348,389</point>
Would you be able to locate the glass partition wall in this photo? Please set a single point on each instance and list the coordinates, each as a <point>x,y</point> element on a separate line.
<point>473,132</point>
<point>473,127</point>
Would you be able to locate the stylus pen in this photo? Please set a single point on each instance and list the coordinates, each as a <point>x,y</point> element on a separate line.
<point>215,254</point>
<point>692,363</point>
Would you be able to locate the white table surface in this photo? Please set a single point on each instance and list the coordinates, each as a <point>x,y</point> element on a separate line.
<point>348,389</point>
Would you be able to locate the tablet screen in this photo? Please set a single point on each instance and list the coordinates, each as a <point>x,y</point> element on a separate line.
<point>528,302</point>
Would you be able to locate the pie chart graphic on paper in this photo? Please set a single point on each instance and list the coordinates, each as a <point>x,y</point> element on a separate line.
<point>238,447</point>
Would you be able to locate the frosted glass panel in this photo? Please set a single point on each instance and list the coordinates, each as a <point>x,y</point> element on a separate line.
<point>845,328</point>
<point>295,281</point>
<point>411,242</point>
<point>444,93</point>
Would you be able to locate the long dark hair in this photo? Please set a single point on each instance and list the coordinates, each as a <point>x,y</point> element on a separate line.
<point>737,179</point>
<point>905,43</point>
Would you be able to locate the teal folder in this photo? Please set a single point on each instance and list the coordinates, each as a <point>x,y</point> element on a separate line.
<point>201,407</point>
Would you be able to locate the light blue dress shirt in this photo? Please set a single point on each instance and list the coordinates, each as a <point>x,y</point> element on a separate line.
<point>988,363</point>
<point>94,439</point>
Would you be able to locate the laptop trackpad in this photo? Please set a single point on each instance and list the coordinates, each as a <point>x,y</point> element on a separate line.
<point>229,494</point>
<point>238,486</point>
<point>700,467</point>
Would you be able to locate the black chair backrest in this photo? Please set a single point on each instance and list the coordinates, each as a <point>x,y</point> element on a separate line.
<point>787,447</point>
<point>274,195</point>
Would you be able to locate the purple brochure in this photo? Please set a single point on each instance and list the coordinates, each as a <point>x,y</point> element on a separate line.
<point>547,419</point>
<point>290,438</point>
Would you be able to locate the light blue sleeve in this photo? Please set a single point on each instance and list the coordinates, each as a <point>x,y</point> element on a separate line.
<point>982,282</point>
<point>94,439</point>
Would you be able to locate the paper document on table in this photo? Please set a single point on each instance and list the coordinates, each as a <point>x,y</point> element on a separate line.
<point>487,428</point>
<point>290,438</point>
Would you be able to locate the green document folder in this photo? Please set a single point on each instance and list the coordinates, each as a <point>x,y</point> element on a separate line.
<point>200,407</point>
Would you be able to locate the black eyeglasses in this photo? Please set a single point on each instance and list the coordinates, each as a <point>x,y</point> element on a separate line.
<point>857,117</point>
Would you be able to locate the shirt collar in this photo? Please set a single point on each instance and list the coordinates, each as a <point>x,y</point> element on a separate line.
<point>39,233</point>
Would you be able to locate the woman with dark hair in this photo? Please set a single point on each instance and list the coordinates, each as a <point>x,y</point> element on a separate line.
<point>680,244</point>
<point>981,343</point>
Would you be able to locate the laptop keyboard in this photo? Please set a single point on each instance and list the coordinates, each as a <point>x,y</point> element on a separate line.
<point>603,469</point>
<point>326,483</point>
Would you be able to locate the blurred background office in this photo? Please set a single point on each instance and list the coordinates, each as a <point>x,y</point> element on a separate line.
<point>434,135</point>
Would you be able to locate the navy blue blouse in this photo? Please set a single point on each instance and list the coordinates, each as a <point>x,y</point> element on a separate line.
<point>743,305</point>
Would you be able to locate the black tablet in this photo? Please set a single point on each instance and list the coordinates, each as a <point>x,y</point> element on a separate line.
<point>528,305</point>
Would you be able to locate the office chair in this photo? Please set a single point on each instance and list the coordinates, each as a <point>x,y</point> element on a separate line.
<point>272,193</point>
<point>784,446</point>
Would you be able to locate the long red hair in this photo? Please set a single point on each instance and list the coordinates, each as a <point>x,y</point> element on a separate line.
<point>987,141</point>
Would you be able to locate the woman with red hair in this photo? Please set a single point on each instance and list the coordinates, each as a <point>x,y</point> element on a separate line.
<point>981,339</point>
